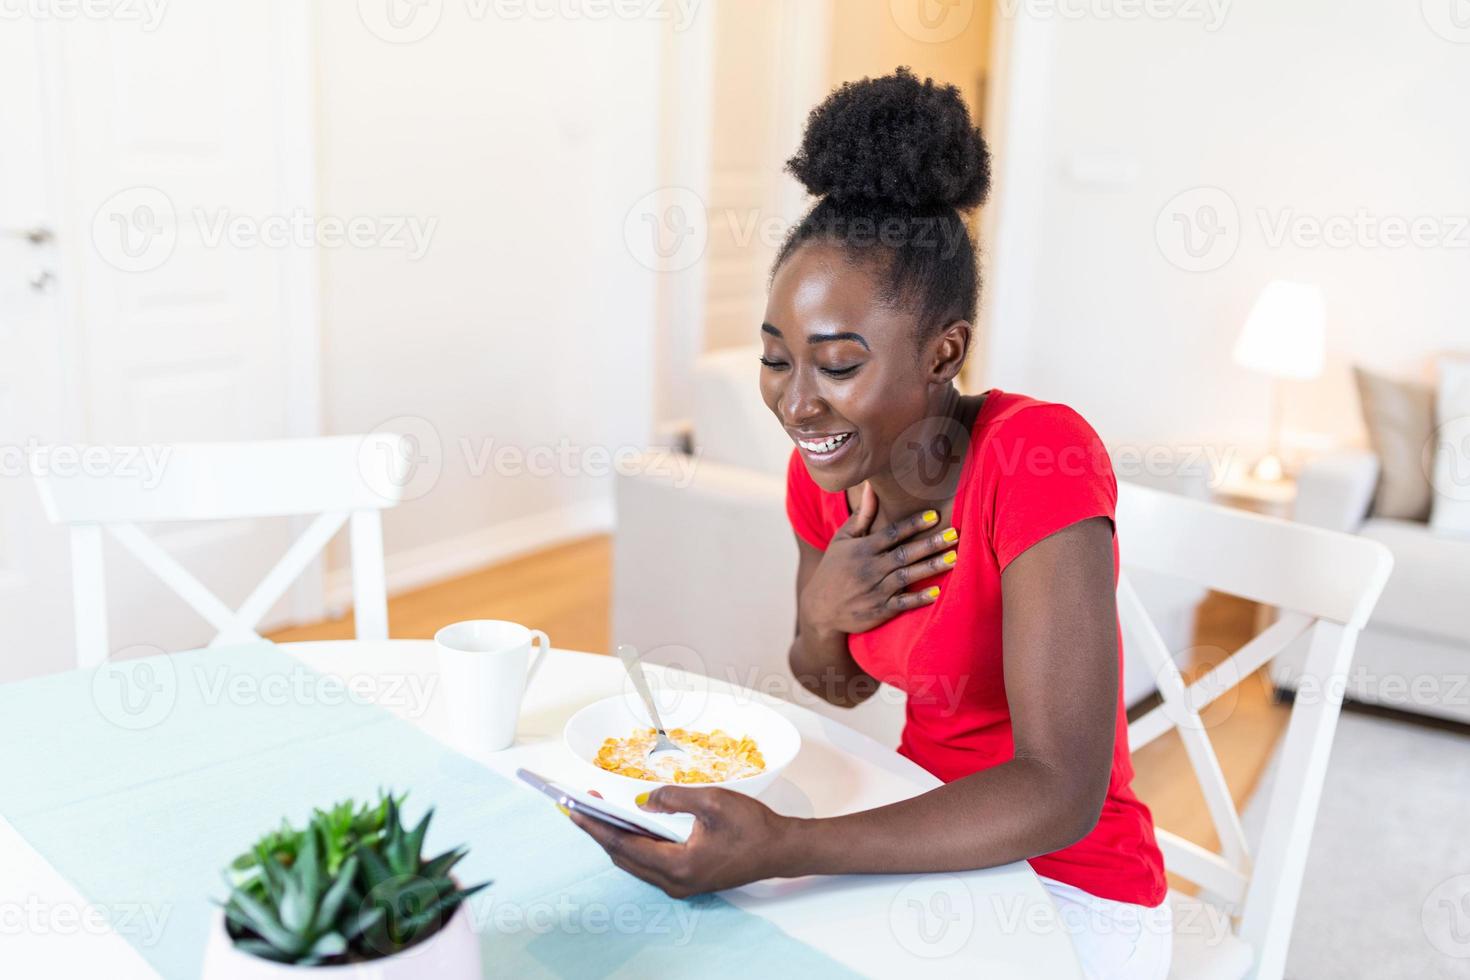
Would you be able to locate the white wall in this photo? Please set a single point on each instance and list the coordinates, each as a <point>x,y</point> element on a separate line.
<point>1318,107</point>
<point>527,322</point>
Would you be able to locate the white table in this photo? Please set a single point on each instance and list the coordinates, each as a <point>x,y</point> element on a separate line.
<point>994,923</point>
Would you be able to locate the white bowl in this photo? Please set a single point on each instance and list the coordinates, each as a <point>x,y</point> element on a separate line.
<point>703,711</point>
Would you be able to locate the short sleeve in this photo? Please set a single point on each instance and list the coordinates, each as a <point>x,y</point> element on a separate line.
<point>1051,471</point>
<point>804,504</point>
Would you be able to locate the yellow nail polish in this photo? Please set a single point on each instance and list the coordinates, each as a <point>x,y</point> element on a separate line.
<point>950,557</point>
<point>564,809</point>
<point>641,799</point>
<point>951,535</point>
<point>932,592</point>
<point>930,516</point>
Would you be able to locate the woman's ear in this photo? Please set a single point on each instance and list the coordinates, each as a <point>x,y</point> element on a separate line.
<point>948,351</point>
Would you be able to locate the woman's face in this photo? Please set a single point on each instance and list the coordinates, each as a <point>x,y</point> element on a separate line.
<point>841,371</point>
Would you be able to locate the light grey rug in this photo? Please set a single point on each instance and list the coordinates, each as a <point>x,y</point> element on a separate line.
<point>1387,886</point>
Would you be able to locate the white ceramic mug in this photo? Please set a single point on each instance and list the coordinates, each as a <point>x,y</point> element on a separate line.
<point>485,665</point>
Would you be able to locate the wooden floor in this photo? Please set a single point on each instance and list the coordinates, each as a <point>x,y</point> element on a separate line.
<point>566,591</point>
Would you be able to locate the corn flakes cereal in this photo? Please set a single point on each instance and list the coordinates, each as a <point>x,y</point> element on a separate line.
<point>714,757</point>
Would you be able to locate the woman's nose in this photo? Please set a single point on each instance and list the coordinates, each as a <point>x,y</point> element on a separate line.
<point>801,402</point>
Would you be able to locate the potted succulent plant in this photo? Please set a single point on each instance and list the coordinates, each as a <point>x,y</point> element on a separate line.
<point>350,893</point>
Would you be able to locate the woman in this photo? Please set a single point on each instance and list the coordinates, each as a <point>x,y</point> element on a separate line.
<point>957,547</point>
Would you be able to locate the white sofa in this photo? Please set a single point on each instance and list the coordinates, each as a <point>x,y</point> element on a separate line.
<point>704,574</point>
<point>1414,654</point>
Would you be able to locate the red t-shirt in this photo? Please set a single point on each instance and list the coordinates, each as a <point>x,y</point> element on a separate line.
<point>1032,469</point>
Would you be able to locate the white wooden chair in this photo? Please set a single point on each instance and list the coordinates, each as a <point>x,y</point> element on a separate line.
<point>338,479</point>
<point>1324,584</point>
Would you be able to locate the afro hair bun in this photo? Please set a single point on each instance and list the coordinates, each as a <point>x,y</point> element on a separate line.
<point>894,140</point>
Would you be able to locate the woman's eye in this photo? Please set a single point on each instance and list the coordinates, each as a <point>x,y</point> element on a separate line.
<point>840,372</point>
<point>772,363</point>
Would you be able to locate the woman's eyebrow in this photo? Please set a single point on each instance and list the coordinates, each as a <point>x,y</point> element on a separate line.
<point>826,338</point>
<point>822,338</point>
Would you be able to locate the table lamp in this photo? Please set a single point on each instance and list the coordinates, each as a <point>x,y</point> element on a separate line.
<point>1284,337</point>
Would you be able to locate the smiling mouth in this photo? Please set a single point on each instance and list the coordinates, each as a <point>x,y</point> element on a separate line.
<point>826,445</point>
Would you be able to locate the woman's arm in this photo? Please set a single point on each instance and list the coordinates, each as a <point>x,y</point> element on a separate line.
<point>1061,670</point>
<point>819,657</point>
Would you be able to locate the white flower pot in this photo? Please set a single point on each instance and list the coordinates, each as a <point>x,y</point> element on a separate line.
<point>452,953</point>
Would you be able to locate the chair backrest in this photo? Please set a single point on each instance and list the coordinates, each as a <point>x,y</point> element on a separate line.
<point>1325,585</point>
<point>338,479</point>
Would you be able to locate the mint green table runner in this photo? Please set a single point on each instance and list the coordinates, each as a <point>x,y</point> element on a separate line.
<point>139,782</point>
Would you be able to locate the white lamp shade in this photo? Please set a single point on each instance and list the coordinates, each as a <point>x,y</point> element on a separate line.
<point>1286,333</point>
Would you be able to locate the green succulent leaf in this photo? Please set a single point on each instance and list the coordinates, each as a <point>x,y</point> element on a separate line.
<point>263,949</point>
<point>440,866</point>
<point>263,922</point>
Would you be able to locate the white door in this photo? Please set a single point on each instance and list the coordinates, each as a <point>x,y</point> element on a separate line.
<point>34,600</point>
<point>180,152</point>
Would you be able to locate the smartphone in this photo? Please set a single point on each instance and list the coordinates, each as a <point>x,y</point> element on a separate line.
<point>591,806</point>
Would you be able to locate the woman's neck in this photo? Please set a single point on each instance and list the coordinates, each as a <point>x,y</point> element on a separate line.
<point>927,465</point>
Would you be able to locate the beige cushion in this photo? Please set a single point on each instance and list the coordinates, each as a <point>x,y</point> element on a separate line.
<point>1399,416</point>
<point>1450,513</point>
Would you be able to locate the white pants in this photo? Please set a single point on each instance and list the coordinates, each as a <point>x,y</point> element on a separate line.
<point>1114,940</point>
